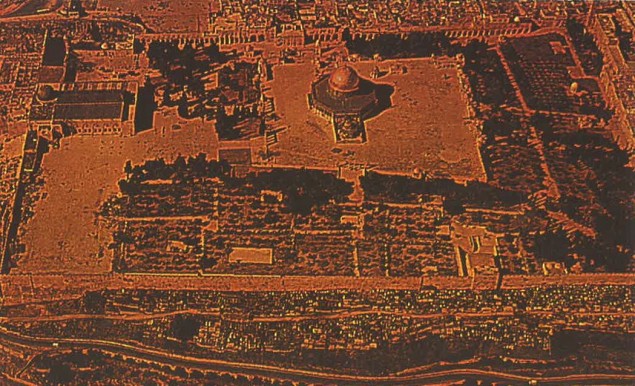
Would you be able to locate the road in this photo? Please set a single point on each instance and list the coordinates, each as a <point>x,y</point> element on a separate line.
<point>340,314</point>
<point>152,355</point>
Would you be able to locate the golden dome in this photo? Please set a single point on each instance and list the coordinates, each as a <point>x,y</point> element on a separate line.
<point>344,79</point>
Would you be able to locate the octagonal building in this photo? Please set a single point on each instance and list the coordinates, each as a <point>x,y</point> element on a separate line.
<point>346,100</point>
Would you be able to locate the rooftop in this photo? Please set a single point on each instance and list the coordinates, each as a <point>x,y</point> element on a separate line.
<point>344,79</point>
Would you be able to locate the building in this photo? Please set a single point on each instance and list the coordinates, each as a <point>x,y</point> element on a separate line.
<point>251,255</point>
<point>84,108</point>
<point>617,77</point>
<point>54,60</point>
<point>346,100</point>
<point>477,255</point>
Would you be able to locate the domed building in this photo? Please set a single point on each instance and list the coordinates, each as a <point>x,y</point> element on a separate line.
<point>84,108</point>
<point>344,80</point>
<point>345,99</point>
<point>45,93</point>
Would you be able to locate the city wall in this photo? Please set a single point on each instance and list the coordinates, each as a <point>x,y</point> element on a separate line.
<point>18,289</point>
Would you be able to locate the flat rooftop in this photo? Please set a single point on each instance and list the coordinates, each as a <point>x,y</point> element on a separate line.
<point>251,255</point>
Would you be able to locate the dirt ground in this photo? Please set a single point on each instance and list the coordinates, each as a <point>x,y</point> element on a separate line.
<point>164,15</point>
<point>65,234</point>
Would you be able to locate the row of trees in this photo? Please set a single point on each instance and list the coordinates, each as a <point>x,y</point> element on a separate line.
<point>612,184</point>
<point>181,170</point>
<point>303,190</point>
<point>487,77</point>
<point>380,187</point>
<point>415,44</point>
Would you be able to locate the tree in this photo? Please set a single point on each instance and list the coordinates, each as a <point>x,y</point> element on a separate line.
<point>60,374</point>
<point>553,246</point>
<point>184,327</point>
<point>303,190</point>
<point>206,262</point>
<point>94,303</point>
<point>128,170</point>
<point>180,168</point>
<point>453,207</point>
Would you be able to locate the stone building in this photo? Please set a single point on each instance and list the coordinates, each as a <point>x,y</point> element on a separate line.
<point>91,108</point>
<point>477,255</point>
<point>346,100</point>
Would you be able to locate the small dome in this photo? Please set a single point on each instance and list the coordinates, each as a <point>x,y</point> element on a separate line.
<point>45,93</point>
<point>344,79</point>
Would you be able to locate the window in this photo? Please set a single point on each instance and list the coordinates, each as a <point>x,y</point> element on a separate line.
<point>475,241</point>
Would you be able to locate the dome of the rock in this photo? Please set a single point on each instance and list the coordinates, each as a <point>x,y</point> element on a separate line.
<point>344,80</point>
